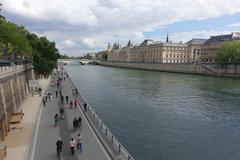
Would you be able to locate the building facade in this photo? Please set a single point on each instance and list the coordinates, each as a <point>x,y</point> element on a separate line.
<point>211,46</point>
<point>151,52</point>
<point>195,46</point>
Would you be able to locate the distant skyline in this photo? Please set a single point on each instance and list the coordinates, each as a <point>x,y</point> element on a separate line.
<point>82,26</point>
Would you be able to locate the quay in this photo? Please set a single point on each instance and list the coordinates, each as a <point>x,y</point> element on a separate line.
<point>35,137</point>
<point>98,142</point>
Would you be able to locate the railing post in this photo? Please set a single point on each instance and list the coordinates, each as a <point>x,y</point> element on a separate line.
<point>106,131</point>
<point>119,148</point>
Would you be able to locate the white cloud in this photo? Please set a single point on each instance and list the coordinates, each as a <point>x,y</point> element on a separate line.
<point>89,42</point>
<point>234,25</point>
<point>69,43</point>
<point>186,36</point>
<point>93,23</point>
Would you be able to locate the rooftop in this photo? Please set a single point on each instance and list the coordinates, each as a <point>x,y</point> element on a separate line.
<point>197,41</point>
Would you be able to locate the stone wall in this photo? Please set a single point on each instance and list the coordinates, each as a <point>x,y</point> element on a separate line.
<point>188,68</point>
<point>209,69</point>
<point>13,90</point>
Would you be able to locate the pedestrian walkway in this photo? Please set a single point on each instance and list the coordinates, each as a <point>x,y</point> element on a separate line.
<point>45,146</point>
<point>18,139</point>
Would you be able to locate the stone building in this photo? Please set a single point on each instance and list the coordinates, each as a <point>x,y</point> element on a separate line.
<point>211,46</point>
<point>150,51</point>
<point>195,46</point>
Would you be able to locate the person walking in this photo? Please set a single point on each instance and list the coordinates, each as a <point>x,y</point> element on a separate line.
<point>56,94</point>
<point>44,101</point>
<point>79,142</point>
<point>67,99</point>
<point>71,105</point>
<point>61,112</point>
<point>55,120</point>
<point>75,123</point>
<point>75,103</point>
<point>76,91</point>
<point>40,91</point>
<point>59,145</point>
<point>62,99</point>
<point>72,144</point>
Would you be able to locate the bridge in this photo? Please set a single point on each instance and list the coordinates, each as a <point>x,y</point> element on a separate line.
<point>79,61</point>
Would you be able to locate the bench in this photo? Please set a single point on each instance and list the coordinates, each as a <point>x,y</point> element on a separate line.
<point>16,117</point>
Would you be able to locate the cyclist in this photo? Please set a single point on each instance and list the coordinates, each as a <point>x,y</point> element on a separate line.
<point>59,145</point>
<point>55,119</point>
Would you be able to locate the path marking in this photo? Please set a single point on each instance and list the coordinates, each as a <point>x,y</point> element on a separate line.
<point>36,133</point>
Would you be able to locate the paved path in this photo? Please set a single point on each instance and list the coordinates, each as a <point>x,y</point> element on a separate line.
<point>45,148</point>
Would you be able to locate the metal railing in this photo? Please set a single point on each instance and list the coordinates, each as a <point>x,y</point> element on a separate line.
<point>115,144</point>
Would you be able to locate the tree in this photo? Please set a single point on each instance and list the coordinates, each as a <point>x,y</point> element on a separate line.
<point>13,40</point>
<point>44,55</point>
<point>229,52</point>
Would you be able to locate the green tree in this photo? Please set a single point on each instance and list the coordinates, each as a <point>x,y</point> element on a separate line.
<point>13,35</point>
<point>44,55</point>
<point>16,40</point>
<point>229,52</point>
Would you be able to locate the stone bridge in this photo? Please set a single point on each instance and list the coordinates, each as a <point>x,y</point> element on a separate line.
<point>77,61</point>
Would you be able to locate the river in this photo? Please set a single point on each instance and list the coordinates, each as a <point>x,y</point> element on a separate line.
<point>165,116</point>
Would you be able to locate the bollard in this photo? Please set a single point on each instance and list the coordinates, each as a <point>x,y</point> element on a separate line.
<point>112,139</point>
<point>106,131</point>
<point>129,157</point>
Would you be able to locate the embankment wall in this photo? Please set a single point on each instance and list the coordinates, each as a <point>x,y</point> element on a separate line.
<point>13,90</point>
<point>204,69</point>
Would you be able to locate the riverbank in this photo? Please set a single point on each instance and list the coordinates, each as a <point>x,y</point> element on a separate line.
<point>19,139</point>
<point>231,71</point>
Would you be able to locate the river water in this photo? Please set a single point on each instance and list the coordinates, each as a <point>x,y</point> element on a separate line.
<point>165,116</point>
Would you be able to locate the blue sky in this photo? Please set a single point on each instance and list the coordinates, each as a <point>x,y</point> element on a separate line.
<point>82,26</point>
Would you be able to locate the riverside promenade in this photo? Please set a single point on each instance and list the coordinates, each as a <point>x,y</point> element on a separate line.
<point>44,142</point>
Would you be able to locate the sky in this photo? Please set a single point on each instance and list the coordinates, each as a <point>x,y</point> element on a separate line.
<point>85,26</point>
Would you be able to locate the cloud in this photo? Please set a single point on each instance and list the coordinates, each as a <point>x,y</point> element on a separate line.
<point>92,24</point>
<point>69,43</point>
<point>186,36</point>
<point>234,25</point>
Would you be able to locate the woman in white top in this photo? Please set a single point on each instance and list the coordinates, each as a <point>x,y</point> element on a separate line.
<point>72,144</point>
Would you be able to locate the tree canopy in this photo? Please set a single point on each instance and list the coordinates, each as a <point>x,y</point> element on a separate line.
<point>16,40</point>
<point>229,52</point>
<point>13,39</point>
